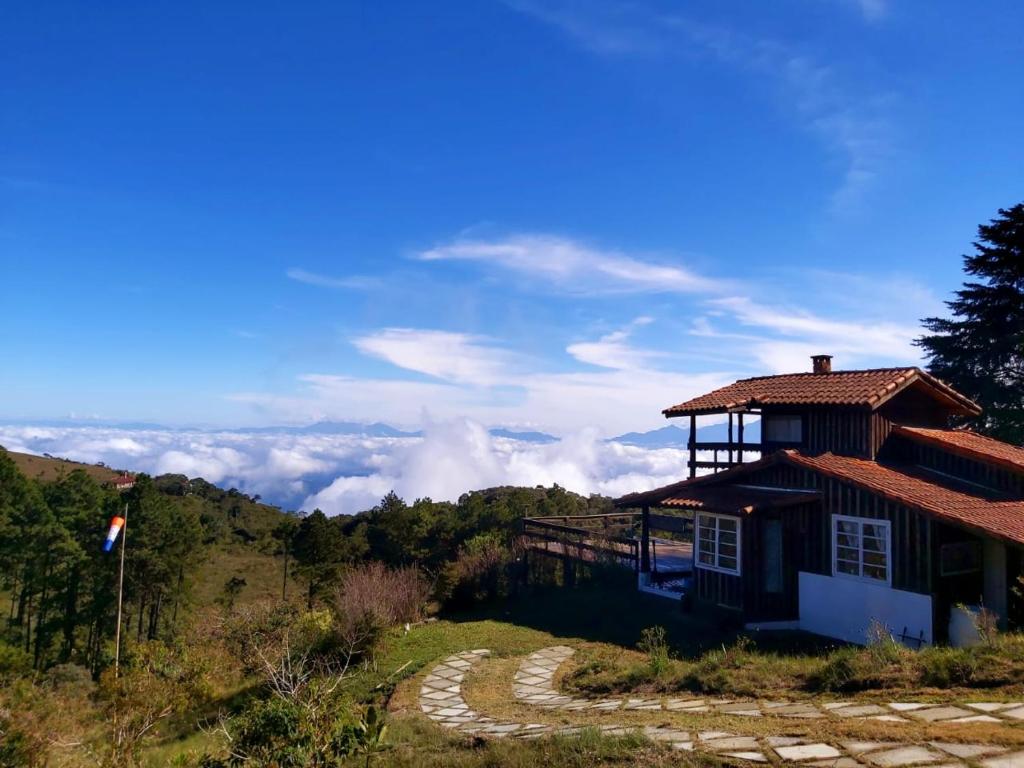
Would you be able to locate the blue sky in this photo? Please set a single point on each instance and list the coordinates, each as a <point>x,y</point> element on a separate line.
<point>557,215</point>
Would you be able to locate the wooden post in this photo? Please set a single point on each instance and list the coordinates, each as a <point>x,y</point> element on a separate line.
<point>741,438</point>
<point>730,439</point>
<point>693,445</point>
<point>645,541</point>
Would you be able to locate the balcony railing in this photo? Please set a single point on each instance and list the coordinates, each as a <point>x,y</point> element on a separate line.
<point>734,454</point>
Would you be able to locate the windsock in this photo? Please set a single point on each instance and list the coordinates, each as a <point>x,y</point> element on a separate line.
<point>116,524</point>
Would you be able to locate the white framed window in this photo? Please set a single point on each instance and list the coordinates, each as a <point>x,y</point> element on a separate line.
<point>861,549</point>
<point>718,543</point>
<point>777,428</point>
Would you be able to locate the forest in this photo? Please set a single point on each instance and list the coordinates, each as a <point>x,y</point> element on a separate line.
<point>194,634</point>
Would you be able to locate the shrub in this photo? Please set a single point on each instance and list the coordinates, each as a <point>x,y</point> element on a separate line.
<point>14,662</point>
<point>947,667</point>
<point>838,672</point>
<point>482,571</point>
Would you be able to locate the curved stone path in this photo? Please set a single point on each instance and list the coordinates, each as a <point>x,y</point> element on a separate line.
<point>441,700</point>
<point>534,684</point>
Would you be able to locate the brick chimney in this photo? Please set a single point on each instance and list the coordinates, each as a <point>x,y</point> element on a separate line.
<point>822,363</point>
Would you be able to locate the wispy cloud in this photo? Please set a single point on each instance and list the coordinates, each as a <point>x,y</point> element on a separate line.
<point>871,10</point>
<point>782,338</point>
<point>476,378</point>
<point>456,357</point>
<point>613,351</point>
<point>354,282</point>
<point>575,266</point>
<point>852,126</point>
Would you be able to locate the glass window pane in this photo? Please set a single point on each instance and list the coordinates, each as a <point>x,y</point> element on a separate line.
<point>726,550</point>
<point>705,546</point>
<point>728,563</point>
<point>706,521</point>
<point>725,524</point>
<point>875,530</point>
<point>845,553</point>
<point>846,540</point>
<point>707,558</point>
<point>874,572</point>
<point>727,538</point>
<point>874,558</point>
<point>874,545</point>
<point>847,526</point>
<point>845,567</point>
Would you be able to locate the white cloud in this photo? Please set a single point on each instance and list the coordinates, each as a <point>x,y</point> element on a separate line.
<point>612,351</point>
<point>356,282</point>
<point>459,455</point>
<point>455,357</point>
<point>799,334</point>
<point>575,266</point>
<point>350,473</point>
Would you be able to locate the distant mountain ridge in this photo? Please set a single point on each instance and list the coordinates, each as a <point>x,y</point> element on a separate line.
<point>677,437</point>
<point>670,436</point>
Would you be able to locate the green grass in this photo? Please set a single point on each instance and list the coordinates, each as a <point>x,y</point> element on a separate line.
<point>262,573</point>
<point>605,625</point>
<point>418,744</point>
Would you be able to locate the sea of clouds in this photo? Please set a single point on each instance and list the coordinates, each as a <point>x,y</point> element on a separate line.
<point>344,474</point>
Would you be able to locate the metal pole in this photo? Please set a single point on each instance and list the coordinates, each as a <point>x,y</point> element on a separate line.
<point>120,593</point>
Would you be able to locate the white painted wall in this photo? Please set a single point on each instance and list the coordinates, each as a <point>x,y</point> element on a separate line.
<point>843,608</point>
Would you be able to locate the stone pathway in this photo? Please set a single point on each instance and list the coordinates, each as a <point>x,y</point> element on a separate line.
<point>441,700</point>
<point>534,684</point>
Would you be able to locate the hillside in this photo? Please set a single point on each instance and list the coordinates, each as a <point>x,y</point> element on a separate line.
<point>51,468</point>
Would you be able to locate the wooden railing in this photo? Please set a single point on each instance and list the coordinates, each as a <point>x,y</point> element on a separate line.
<point>591,538</point>
<point>733,454</point>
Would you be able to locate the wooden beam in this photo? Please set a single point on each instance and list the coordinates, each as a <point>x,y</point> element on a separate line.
<point>740,457</point>
<point>730,439</point>
<point>693,445</point>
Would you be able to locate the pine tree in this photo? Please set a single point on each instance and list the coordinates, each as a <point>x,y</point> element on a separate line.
<point>980,350</point>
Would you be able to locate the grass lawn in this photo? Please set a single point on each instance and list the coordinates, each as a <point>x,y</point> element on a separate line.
<point>604,625</point>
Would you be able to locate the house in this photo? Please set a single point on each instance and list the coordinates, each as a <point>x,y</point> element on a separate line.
<point>863,506</point>
<point>123,482</point>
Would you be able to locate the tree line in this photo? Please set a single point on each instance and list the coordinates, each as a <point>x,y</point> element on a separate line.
<point>62,587</point>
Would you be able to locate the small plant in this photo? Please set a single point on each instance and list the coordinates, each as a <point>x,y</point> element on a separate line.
<point>882,647</point>
<point>366,736</point>
<point>986,622</point>
<point>653,642</point>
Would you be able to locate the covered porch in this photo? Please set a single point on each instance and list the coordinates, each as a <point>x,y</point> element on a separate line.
<point>741,546</point>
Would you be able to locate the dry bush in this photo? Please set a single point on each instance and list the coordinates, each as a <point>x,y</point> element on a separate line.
<point>372,598</point>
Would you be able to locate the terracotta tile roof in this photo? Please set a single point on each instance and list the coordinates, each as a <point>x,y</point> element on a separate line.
<point>867,388</point>
<point>915,487</point>
<point>961,504</point>
<point>970,445</point>
<point>685,488</point>
<point>734,498</point>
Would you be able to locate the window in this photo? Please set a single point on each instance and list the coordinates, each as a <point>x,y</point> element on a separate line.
<point>860,548</point>
<point>782,429</point>
<point>718,543</point>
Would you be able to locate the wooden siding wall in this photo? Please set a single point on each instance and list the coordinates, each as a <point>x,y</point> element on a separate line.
<point>720,589</point>
<point>841,431</point>
<point>801,533</point>
<point>904,449</point>
<point>846,431</point>
<point>911,531</point>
